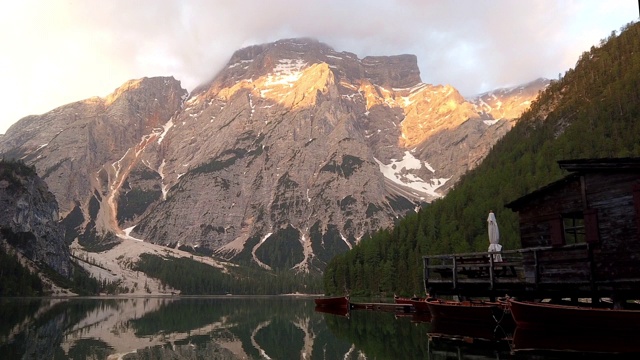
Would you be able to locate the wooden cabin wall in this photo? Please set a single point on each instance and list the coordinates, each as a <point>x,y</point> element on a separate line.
<point>612,196</point>
<point>617,256</point>
<point>536,217</point>
<point>617,253</point>
<point>565,266</point>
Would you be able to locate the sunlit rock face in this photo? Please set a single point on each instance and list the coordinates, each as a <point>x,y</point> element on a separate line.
<point>288,156</point>
<point>85,150</point>
<point>508,103</point>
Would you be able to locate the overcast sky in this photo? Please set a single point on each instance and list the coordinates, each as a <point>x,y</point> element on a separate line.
<point>53,52</point>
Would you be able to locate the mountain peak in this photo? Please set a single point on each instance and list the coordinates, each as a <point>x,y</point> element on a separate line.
<point>397,71</point>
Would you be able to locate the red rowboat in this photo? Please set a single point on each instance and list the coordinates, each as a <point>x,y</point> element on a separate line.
<point>532,315</point>
<point>333,302</point>
<point>467,311</point>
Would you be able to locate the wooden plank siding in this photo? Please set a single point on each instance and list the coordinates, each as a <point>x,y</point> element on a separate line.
<point>605,195</point>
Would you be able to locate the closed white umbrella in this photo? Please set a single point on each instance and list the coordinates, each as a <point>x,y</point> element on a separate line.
<point>494,236</point>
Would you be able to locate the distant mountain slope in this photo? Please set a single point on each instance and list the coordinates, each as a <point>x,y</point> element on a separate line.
<point>508,103</point>
<point>290,155</point>
<point>592,112</point>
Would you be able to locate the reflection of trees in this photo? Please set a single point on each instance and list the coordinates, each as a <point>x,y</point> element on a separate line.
<point>15,315</point>
<point>40,334</point>
<point>379,335</point>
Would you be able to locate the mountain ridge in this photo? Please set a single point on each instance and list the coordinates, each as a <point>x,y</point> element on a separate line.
<point>290,155</point>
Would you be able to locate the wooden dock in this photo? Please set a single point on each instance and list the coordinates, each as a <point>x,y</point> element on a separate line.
<point>526,273</point>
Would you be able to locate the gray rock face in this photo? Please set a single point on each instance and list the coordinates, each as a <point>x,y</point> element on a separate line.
<point>290,155</point>
<point>29,218</point>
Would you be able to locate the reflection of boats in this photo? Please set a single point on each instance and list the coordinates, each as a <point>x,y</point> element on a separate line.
<point>455,329</point>
<point>468,311</point>
<point>445,348</point>
<point>340,311</point>
<point>418,304</point>
<point>419,317</point>
<point>576,340</point>
<point>333,302</point>
<point>468,331</point>
<point>533,315</point>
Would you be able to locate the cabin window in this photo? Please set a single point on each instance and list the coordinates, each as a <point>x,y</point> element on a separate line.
<point>574,230</point>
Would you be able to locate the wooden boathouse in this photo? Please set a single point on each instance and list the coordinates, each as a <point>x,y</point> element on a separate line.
<point>580,237</point>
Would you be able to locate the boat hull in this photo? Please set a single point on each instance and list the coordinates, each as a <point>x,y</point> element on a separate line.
<point>466,311</point>
<point>418,305</point>
<point>543,316</point>
<point>340,302</point>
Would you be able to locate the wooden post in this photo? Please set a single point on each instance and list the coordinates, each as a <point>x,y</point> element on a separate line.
<point>425,272</point>
<point>491,271</point>
<point>592,279</point>
<point>536,275</point>
<point>455,274</point>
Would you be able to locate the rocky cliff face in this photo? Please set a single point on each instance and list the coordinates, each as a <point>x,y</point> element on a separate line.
<point>290,155</point>
<point>85,150</point>
<point>29,218</point>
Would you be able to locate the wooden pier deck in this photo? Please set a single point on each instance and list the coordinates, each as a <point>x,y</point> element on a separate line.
<point>541,272</point>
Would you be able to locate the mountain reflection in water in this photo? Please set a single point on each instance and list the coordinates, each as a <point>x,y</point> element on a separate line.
<point>172,328</point>
<point>225,327</point>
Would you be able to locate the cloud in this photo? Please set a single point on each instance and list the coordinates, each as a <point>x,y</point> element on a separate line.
<point>58,51</point>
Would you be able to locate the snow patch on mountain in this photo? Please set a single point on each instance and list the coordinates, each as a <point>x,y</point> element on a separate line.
<point>287,72</point>
<point>398,171</point>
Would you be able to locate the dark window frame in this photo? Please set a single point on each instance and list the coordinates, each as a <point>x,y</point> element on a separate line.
<point>574,228</point>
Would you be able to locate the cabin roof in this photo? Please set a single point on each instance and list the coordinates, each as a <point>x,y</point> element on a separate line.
<point>578,167</point>
<point>600,165</point>
<point>515,205</point>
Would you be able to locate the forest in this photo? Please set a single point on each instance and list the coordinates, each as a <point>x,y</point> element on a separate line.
<point>195,278</point>
<point>592,111</point>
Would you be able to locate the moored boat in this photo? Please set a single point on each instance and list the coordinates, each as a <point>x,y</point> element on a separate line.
<point>333,302</point>
<point>418,305</point>
<point>537,315</point>
<point>468,311</point>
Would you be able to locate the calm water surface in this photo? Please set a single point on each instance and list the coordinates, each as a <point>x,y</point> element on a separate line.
<point>237,328</point>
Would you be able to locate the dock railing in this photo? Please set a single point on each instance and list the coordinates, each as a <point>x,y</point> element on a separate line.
<point>523,266</point>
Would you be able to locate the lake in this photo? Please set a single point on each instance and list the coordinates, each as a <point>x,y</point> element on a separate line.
<point>229,327</point>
